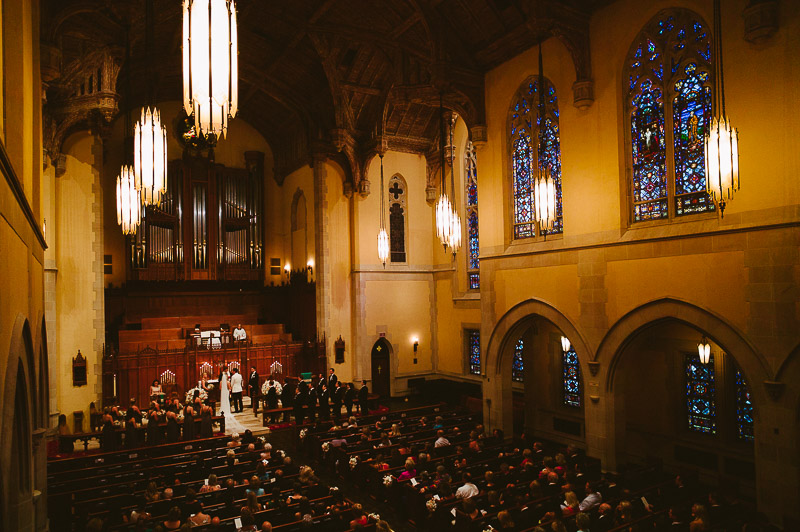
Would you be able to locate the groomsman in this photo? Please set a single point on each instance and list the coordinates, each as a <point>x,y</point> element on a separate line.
<point>254,390</point>
<point>332,378</point>
<point>337,395</point>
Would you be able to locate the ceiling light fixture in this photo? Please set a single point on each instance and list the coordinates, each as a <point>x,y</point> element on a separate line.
<point>210,64</point>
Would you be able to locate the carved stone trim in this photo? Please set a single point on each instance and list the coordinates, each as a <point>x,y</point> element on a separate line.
<point>430,194</point>
<point>594,398</point>
<point>760,20</point>
<point>583,93</point>
<point>479,135</point>
<point>774,389</point>
<point>363,188</point>
<point>594,368</point>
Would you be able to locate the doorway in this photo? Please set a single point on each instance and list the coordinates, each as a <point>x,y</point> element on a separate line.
<point>381,370</point>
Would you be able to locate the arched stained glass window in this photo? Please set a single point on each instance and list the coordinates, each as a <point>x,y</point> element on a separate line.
<point>517,365</point>
<point>397,219</point>
<point>667,74</point>
<point>700,399</point>
<point>524,130</point>
<point>471,213</point>
<point>474,351</point>
<point>744,408</point>
<point>572,378</point>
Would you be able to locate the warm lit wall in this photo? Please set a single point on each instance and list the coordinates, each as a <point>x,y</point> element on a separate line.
<point>78,259</point>
<point>23,349</point>
<point>737,275</point>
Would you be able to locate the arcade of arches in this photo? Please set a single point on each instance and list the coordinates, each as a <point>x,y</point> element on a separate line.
<point>639,267</point>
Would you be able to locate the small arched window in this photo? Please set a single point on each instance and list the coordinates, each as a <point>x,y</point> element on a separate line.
<point>524,128</point>
<point>667,83</point>
<point>397,218</point>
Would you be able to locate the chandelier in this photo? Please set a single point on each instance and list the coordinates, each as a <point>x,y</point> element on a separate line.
<point>150,156</point>
<point>544,185</point>
<point>210,68</point>
<point>129,212</point>
<point>444,212</point>
<point>722,140</point>
<point>454,236</point>
<point>565,344</point>
<point>383,238</point>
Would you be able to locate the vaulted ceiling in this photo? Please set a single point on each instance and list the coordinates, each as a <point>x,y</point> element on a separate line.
<point>341,76</point>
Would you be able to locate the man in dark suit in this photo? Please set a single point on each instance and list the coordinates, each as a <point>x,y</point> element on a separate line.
<point>337,395</point>
<point>252,382</point>
<point>332,378</point>
<point>349,397</point>
<point>300,401</point>
<point>363,397</point>
<point>324,404</point>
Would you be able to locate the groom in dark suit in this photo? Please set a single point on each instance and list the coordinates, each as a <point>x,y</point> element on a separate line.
<point>254,391</point>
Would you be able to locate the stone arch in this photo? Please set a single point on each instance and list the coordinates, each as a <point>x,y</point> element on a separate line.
<point>396,195</point>
<point>43,380</point>
<point>16,428</point>
<point>299,230</point>
<point>499,355</point>
<point>749,359</point>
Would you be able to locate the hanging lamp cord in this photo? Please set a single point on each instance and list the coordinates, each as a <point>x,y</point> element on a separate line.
<point>383,208</point>
<point>441,143</point>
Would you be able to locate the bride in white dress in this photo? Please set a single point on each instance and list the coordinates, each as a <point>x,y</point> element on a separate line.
<point>231,423</point>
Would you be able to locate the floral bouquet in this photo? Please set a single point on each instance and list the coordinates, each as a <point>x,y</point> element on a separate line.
<point>431,504</point>
<point>374,517</point>
<point>326,447</point>
<point>388,480</point>
<point>275,384</point>
<point>303,434</point>
<point>353,462</point>
<point>190,395</point>
<point>333,490</point>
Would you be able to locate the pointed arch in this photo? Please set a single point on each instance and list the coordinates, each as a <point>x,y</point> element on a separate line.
<point>397,194</point>
<point>667,81</point>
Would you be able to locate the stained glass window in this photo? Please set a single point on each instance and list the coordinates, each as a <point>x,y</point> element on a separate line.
<point>668,74</point>
<point>397,219</point>
<point>517,365</point>
<point>471,210</point>
<point>474,351</point>
<point>700,389</point>
<point>744,408</point>
<point>524,129</point>
<point>572,378</point>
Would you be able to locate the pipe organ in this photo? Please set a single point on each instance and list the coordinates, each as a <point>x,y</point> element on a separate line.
<point>208,226</point>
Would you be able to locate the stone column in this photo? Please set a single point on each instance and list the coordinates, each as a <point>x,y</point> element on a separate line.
<point>322,249</point>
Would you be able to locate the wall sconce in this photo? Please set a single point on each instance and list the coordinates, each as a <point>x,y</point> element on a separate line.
<point>704,351</point>
<point>565,345</point>
<point>310,266</point>
<point>287,268</point>
<point>416,347</point>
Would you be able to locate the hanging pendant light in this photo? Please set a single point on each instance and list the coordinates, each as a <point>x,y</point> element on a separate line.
<point>565,344</point>
<point>150,156</point>
<point>210,65</point>
<point>722,140</point>
<point>704,351</point>
<point>544,185</point>
<point>383,238</point>
<point>454,237</point>
<point>444,211</point>
<point>129,212</point>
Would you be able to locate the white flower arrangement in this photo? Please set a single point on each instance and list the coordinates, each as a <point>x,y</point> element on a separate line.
<point>275,384</point>
<point>190,395</point>
<point>326,447</point>
<point>375,517</point>
<point>489,528</point>
<point>353,462</point>
<point>388,480</point>
<point>333,489</point>
<point>303,434</point>
<point>431,505</point>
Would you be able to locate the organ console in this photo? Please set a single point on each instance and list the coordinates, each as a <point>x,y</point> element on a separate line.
<point>208,226</point>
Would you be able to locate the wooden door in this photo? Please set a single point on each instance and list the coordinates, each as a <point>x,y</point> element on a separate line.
<point>381,369</point>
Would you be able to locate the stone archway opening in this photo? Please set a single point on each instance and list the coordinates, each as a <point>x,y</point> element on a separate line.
<point>672,409</point>
<point>540,386</point>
